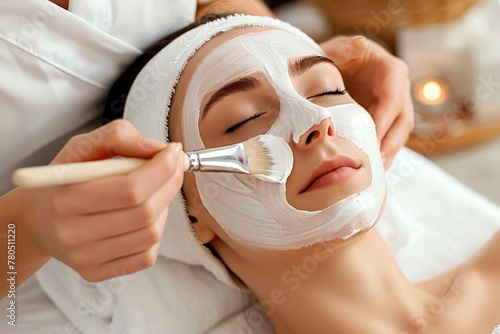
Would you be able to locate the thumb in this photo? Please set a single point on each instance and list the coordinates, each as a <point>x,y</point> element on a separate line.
<point>345,49</point>
<point>119,137</point>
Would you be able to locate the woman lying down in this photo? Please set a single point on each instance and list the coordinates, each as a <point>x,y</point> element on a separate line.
<point>306,249</point>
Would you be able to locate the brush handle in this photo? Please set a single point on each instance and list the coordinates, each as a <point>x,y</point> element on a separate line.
<point>53,175</point>
<point>230,158</point>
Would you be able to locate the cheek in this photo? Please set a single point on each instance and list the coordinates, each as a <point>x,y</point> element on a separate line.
<point>196,207</point>
<point>300,172</point>
<point>192,197</point>
<point>174,125</point>
<point>222,244</point>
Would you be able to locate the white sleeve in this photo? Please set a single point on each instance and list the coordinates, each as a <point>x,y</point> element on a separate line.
<point>57,67</point>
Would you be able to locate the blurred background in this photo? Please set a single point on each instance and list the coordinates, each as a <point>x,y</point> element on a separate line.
<point>452,48</point>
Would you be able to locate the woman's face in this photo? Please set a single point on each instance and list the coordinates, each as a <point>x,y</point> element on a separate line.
<point>251,81</point>
<point>249,106</point>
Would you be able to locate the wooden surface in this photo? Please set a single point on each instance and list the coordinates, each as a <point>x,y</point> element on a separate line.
<point>466,134</point>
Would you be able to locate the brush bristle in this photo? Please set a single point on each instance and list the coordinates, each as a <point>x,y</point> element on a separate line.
<point>269,157</point>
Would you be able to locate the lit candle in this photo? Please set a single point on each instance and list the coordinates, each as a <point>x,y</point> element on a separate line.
<point>432,96</point>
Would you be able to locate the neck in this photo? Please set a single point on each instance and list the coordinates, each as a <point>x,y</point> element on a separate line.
<point>331,287</point>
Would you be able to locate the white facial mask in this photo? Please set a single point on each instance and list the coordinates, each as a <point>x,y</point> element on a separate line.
<point>253,212</point>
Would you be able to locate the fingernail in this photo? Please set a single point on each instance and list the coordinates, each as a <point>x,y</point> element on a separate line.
<point>183,162</point>
<point>192,219</point>
<point>152,144</point>
<point>178,147</point>
<point>181,156</point>
<point>359,41</point>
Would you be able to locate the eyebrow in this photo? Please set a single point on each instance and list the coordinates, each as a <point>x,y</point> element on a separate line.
<point>241,85</point>
<point>295,68</point>
<point>301,65</point>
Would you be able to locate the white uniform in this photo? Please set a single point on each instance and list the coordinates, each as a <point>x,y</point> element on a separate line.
<point>57,66</point>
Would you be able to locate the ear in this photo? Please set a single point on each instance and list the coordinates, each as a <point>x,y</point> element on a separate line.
<point>198,214</point>
<point>204,233</point>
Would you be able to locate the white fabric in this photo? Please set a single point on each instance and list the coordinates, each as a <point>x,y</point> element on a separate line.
<point>35,312</point>
<point>57,67</point>
<point>168,297</point>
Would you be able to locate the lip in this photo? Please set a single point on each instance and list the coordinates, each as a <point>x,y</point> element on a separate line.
<point>331,172</point>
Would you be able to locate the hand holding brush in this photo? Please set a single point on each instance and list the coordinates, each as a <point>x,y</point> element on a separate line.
<point>266,157</point>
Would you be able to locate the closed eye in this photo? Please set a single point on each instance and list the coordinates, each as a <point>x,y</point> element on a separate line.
<point>233,128</point>
<point>337,91</point>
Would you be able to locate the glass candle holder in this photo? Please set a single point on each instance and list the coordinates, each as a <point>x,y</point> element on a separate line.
<point>432,97</point>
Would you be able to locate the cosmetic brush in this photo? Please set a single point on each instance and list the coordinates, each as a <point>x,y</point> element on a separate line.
<point>266,157</point>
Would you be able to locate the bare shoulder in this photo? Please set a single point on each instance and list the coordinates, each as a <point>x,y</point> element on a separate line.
<point>487,261</point>
<point>485,265</point>
<point>467,298</point>
<point>478,280</point>
<point>481,275</point>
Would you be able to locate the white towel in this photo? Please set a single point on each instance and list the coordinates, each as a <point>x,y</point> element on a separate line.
<point>170,297</point>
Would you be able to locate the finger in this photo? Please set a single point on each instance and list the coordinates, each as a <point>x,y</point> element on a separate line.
<point>90,262</point>
<point>345,49</point>
<point>122,266</point>
<point>115,223</point>
<point>119,137</point>
<point>395,138</point>
<point>122,191</point>
<point>135,262</point>
<point>130,243</point>
<point>105,250</point>
<point>384,114</point>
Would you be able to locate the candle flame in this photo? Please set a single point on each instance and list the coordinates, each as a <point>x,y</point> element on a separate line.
<point>432,91</point>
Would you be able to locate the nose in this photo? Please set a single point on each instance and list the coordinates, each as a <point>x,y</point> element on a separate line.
<point>317,133</point>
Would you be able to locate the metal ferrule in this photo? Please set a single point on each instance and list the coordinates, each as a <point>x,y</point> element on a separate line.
<point>232,158</point>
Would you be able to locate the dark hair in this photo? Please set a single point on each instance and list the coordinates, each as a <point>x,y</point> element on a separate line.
<point>115,103</point>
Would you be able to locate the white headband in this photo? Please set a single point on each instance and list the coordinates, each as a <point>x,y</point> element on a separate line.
<point>148,106</point>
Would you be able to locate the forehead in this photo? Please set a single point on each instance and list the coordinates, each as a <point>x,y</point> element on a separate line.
<point>249,53</point>
<point>232,50</point>
<point>221,59</point>
<point>211,45</point>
